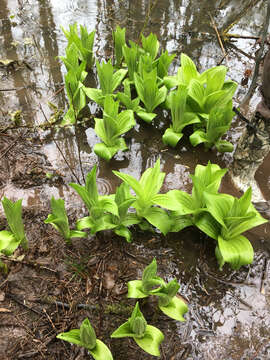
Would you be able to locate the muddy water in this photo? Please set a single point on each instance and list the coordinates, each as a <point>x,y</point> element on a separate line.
<point>228,318</point>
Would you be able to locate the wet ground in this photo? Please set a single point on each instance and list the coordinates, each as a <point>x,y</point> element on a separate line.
<point>229,312</point>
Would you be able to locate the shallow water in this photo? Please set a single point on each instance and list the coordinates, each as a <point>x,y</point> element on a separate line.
<point>233,323</point>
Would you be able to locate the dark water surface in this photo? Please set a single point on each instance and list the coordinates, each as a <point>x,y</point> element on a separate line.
<point>229,319</point>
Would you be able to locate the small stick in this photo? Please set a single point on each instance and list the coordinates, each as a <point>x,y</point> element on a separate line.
<point>236,36</point>
<point>218,36</point>
<point>11,296</point>
<point>240,51</point>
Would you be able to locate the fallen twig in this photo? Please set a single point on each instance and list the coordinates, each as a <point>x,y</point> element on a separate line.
<point>218,36</point>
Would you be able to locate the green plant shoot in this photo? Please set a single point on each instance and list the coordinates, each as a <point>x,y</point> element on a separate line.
<point>100,207</point>
<point>111,127</point>
<point>227,218</point>
<point>124,200</point>
<point>12,238</point>
<point>59,220</point>
<point>185,207</point>
<point>109,80</point>
<point>84,43</point>
<point>74,84</point>
<point>86,337</point>
<point>150,44</point>
<point>146,190</point>
<point>218,124</point>
<point>151,284</point>
<point>146,336</point>
<point>180,116</point>
<point>149,93</point>
<point>119,37</point>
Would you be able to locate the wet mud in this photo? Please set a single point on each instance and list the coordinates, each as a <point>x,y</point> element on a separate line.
<point>53,287</point>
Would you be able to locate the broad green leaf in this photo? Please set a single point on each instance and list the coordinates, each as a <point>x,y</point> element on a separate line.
<point>107,152</point>
<point>121,230</point>
<point>95,95</point>
<point>196,91</point>
<point>171,137</point>
<point>224,146</point>
<point>198,137</point>
<point>147,117</point>
<point>181,202</point>
<point>215,79</point>
<point>150,271</point>
<point>117,78</point>
<point>119,38</point>
<point>219,206</point>
<point>159,218</point>
<point>58,218</point>
<point>128,179</point>
<point>175,309</point>
<point>151,45</point>
<point>124,330</point>
<point>135,289</point>
<point>151,341</point>
<point>180,222</point>
<point>207,223</point>
<point>87,334</point>
<point>101,351</point>
<point>77,234</point>
<point>131,59</point>
<point>13,212</point>
<point>8,242</point>
<point>72,336</point>
<point>237,251</point>
<point>188,70</point>
<point>164,62</point>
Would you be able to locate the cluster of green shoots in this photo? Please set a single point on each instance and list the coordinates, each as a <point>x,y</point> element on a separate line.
<point>141,73</point>
<point>220,216</point>
<point>146,336</point>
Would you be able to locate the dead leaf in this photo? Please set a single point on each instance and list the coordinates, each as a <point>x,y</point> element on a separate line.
<point>108,280</point>
<point>2,296</point>
<point>4,310</point>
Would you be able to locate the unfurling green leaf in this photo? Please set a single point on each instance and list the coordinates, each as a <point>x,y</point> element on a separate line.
<point>88,335</point>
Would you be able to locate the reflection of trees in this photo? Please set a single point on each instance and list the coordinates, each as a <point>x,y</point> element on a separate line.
<point>48,33</point>
<point>10,52</point>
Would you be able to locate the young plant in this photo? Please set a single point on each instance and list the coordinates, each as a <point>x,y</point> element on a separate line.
<point>217,125</point>
<point>100,207</point>
<point>124,200</point>
<point>119,37</point>
<point>149,93</point>
<point>227,218</point>
<point>146,190</point>
<point>85,336</point>
<point>59,220</point>
<point>146,336</point>
<point>205,91</point>
<point>74,84</point>
<point>150,45</point>
<point>151,284</point>
<point>109,80</point>
<point>163,64</point>
<point>180,116</point>
<point>111,127</point>
<point>12,238</point>
<point>131,55</point>
<point>185,207</point>
<point>84,43</point>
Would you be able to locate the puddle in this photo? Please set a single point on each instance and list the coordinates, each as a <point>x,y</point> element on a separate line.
<point>225,321</point>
